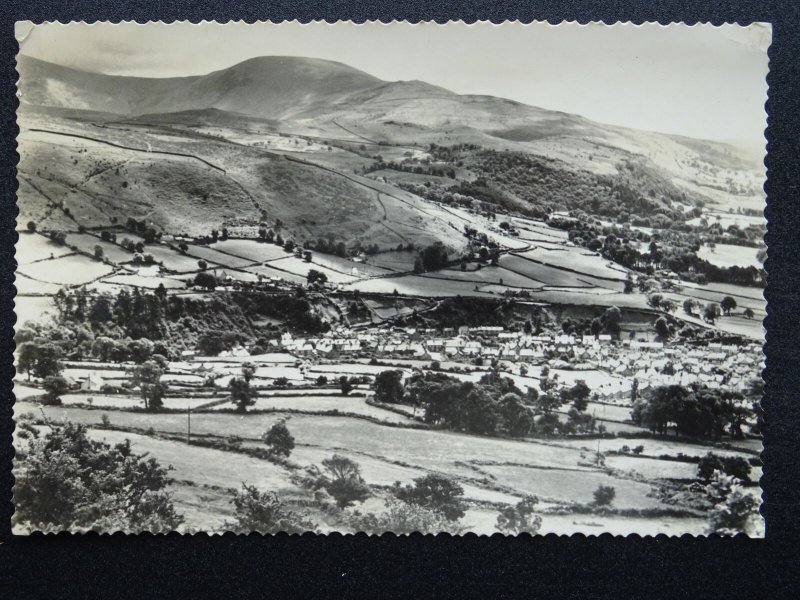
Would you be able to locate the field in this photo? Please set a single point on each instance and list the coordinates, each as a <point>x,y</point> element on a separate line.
<point>578,260</point>
<point>726,255</point>
<point>415,285</point>
<point>250,250</point>
<point>331,404</point>
<point>32,247</point>
<point>67,270</point>
<point>216,257</point>
<point>487,275</point>
<point>575,486</point>
<point>490,470</point>
<point>300,267</point>
<point>87,242</point>
<point>144,281</point>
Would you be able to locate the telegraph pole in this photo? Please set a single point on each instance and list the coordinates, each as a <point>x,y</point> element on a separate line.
<point>188,425</point>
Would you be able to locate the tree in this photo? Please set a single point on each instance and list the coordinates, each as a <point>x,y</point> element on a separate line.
<point>345,385</point>
<point>315,276</point>
<point>147,377</point>
<point>90,485</point>
<point>279,440</point>
<point>629,287</point>
<point>31,227</point>
<point>342,480</point>
<point>728,304</point>
<point>202,264</point>
<point>711,312</point>
<point>735,466</point>
<point>517,418</point>
<point>207,281</point>
<point>748,313</point>
<point>27,353</point>
<point>41,359</point>
<point>611,320</point>
<point>434,492</point>
<point>242,395</point>
<point>660,407</point>
<point>98,252</point>
<point>662,328</point>
<point>264,513</point>
<point>689,306</point>
<point>654,300</point>
<point>389,386</point>
<point>520,518</point>
<point>55,385</point>
<point>604,495</point>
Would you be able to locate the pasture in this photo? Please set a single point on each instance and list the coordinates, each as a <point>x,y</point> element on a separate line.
<point>727,255</point>
<point>172,259</point>
<point>87,242</point>
<point>487,275</point>
<point>73,269</point>
<point>218,258</point>
<point>31,247</point>
<point>144,281</point>
<point>556,485</point>
<point>300,267</point>
<point>578,260</point>
<point>251,250</point>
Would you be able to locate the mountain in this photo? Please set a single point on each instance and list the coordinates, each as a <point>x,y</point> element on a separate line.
<point>255,138</point>
<point>274,87</point>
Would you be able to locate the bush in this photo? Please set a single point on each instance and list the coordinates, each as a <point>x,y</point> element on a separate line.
<point>264,512</point>
<point>604,495</point>
<point>518,519</point>
<point>736,466</point>
<point>405,519</point>
<point>436,493</point>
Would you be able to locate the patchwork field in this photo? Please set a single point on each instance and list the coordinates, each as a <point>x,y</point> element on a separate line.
<point>726,255</point>
<point>31,247</point>
<point>251,250</point>
<point>74,269</point>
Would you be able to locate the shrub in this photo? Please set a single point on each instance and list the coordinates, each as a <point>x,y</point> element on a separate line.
<point>434,492</point>
<point>735,466</point>
<point>265,513</point>
<point>604,495</point>
<point>518,519</point>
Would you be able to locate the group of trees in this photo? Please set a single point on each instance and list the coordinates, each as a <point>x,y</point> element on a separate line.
<point>694,411</point>
<point>134,325</point>
<point>67,481</point>
<point>431,258</point>
<point>492,406</point>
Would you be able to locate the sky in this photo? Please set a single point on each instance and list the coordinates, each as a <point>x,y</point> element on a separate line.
<point>699,81</point>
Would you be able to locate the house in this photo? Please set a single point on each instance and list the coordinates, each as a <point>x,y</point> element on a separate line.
<point>188,354</point>
<point>92,382</point>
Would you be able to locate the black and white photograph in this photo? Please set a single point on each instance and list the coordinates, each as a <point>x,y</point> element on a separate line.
<point>438,278</point>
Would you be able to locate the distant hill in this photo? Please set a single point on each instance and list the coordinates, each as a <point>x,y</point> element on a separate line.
<point>219,120</point>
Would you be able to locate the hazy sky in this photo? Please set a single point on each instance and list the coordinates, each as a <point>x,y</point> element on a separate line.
<point>699,81</point>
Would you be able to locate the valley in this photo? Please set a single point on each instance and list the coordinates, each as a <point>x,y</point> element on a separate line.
<point>555,306</point>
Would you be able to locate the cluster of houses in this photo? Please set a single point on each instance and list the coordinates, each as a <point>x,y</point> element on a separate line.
<point>651,363</point>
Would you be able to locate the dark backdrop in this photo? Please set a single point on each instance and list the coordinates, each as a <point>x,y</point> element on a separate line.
<point>345,566</point>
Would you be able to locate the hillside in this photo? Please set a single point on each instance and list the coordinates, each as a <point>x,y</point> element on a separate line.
<point>291,139</point>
